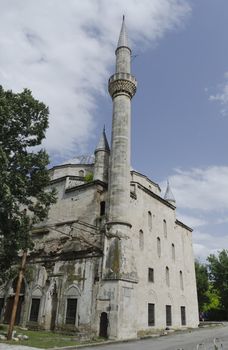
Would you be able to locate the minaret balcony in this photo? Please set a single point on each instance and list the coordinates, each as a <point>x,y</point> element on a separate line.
<point>122,84</point>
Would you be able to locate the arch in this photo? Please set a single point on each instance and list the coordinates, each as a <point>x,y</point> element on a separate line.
<point>73,291</point>
<point>167,277</point>
<point>37,292</point>
<point>141,239</point>
<point>165,228</point>
<point>149,220</point>
<point>159,246</point>
<point>103,332</point>
<point>81,173</point>
<point>173,252</point>
<point>181,280</point>
<point>72,296</point>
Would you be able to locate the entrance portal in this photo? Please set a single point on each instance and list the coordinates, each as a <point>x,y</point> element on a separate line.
<point>103,325</point>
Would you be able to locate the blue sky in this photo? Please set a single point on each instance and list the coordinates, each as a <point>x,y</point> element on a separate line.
<point>65,55</point>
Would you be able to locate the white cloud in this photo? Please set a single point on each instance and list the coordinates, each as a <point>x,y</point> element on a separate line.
<point>191,221</point>
<point>203,189</point>
<point>63,52</point>
<point>222,95</point>
<point>206,244</point>
<point>202,203</point>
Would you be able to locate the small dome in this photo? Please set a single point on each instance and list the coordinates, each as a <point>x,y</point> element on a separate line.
<point>83,159</point>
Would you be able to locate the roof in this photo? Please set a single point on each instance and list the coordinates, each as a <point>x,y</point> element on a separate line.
<point>123,38</point>
<point>83,159</point>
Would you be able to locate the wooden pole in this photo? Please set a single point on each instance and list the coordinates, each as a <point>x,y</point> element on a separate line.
<point>17,294</point>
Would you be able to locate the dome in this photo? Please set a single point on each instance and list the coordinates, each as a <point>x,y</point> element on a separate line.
<point>83,159</point>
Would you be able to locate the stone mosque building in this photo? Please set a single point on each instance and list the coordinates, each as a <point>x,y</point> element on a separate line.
<point>112,259</point>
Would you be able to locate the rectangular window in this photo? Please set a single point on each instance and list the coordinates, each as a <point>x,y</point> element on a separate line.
<point>102,208</point>
<point>150,275</point>
<point>151,318</point>
<point>183,316</point>
<point>71,311</point>
<point>168,315</point>
<point>34,310</point>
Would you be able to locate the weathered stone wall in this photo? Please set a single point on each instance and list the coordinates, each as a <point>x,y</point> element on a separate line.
<point>147,256</point>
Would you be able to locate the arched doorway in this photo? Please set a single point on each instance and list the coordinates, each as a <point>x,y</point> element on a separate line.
<point>103,325</point>
<point>10,301</point>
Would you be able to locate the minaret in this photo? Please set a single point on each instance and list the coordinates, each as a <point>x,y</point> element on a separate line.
<point>119,261</point>
<point>122,87</point>
<point>101,164</point>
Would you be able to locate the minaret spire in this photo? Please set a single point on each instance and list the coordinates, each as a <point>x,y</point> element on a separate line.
<point>101,164</point>
<point>169,194</point>
<point>123,38</point>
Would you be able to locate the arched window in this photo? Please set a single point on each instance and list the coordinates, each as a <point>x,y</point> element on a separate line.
<point>165,228</point>
<point>149,220</point>
<point>72,296</point>
<point>167,280</point>
<point>173,252</point>
<point>181,281</point>
<point>141,239</point>
<point>81,173</point>
<point>159,246</point>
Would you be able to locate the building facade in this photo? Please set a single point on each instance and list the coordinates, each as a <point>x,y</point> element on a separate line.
<point>112,259</point>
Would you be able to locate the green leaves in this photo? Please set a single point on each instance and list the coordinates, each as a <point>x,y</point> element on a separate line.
<point>24,177</point>
<point>202,284</point>
<point>218,273</point>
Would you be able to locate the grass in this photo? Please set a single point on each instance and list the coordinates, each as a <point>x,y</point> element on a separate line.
<point>43,339</point>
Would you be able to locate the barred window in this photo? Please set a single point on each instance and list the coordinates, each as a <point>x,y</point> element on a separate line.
<point>183,316</point>
<point>151,315</point>
<point>168,315</point>
<point>34,312</point>
<point>71,311</point>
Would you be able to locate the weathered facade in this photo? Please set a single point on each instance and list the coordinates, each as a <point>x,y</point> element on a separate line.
<point>112,259</point>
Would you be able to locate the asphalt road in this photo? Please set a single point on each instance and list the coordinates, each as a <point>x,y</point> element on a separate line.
<point>174,341</point>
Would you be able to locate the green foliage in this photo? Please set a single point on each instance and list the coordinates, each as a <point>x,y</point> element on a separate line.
<point>23,172</point>
<point>213,300</point>
<point>89,177</point>
<point>218,274</point>
<point>202,284</point>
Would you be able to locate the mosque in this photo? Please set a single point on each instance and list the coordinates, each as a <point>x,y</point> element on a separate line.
<point>112,259</point>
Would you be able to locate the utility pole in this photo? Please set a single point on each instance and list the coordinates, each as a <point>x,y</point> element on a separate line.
<point>17,294</point>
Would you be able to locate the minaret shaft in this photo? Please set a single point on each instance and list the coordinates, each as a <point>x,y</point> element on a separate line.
<point>123,60</point>
<point>119,184</point>
<point>122,87</point>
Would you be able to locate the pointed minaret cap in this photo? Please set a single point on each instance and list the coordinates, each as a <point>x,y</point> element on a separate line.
<point>169,195</point>
<point>123,38</point>
<point>103,143</point>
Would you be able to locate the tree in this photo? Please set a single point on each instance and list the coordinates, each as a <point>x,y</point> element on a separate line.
<point>218,274</point>
<point>202,284</point>
<point>24,200</point>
